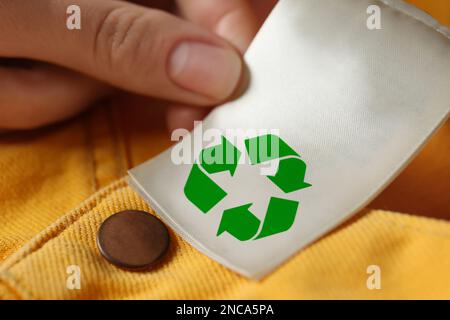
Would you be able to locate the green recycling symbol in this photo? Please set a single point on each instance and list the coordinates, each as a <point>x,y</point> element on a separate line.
<point>239,221</point>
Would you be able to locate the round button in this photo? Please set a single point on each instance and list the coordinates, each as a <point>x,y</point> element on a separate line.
<point>133,239</point>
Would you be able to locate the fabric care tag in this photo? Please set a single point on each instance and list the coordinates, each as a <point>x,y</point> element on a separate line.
<point>342,95</point>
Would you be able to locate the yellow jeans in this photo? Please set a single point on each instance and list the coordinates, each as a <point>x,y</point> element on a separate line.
<point>47,173</point>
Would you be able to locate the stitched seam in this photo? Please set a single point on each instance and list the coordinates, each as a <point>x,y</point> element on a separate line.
<point>87,207</point>
<point>62,224</point>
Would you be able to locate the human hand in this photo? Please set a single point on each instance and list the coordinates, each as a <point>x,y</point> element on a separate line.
<point>186,59</point>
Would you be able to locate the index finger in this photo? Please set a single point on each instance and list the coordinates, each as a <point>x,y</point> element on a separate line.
<point>138,49</point>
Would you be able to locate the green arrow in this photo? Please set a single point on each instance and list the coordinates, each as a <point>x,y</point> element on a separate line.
<point>239,222</point>
<point>203,192</point>
<point>290,175</point>
<point>220,158</point>
<point>267,147</point>
<point>280,216</point>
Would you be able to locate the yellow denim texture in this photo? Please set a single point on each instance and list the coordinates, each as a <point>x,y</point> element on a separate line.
<point>46,223</point>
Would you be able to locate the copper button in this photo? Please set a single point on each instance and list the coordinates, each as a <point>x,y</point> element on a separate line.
<point>133,239</point>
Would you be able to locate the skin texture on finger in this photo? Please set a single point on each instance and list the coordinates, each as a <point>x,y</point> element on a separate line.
<point>34,94</point>
<point>28,109</point>
<point>233,20</point>
<point>237,21</point>
<point>41,94</point>
<point>123,44</point>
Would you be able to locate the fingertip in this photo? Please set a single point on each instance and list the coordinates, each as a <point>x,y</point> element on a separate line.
<point>208,70</point>
<point>239,27</point>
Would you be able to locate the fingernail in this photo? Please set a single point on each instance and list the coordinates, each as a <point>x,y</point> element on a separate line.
<point>205,69</point>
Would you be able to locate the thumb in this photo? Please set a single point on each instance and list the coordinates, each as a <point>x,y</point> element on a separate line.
<point>146,51</point>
